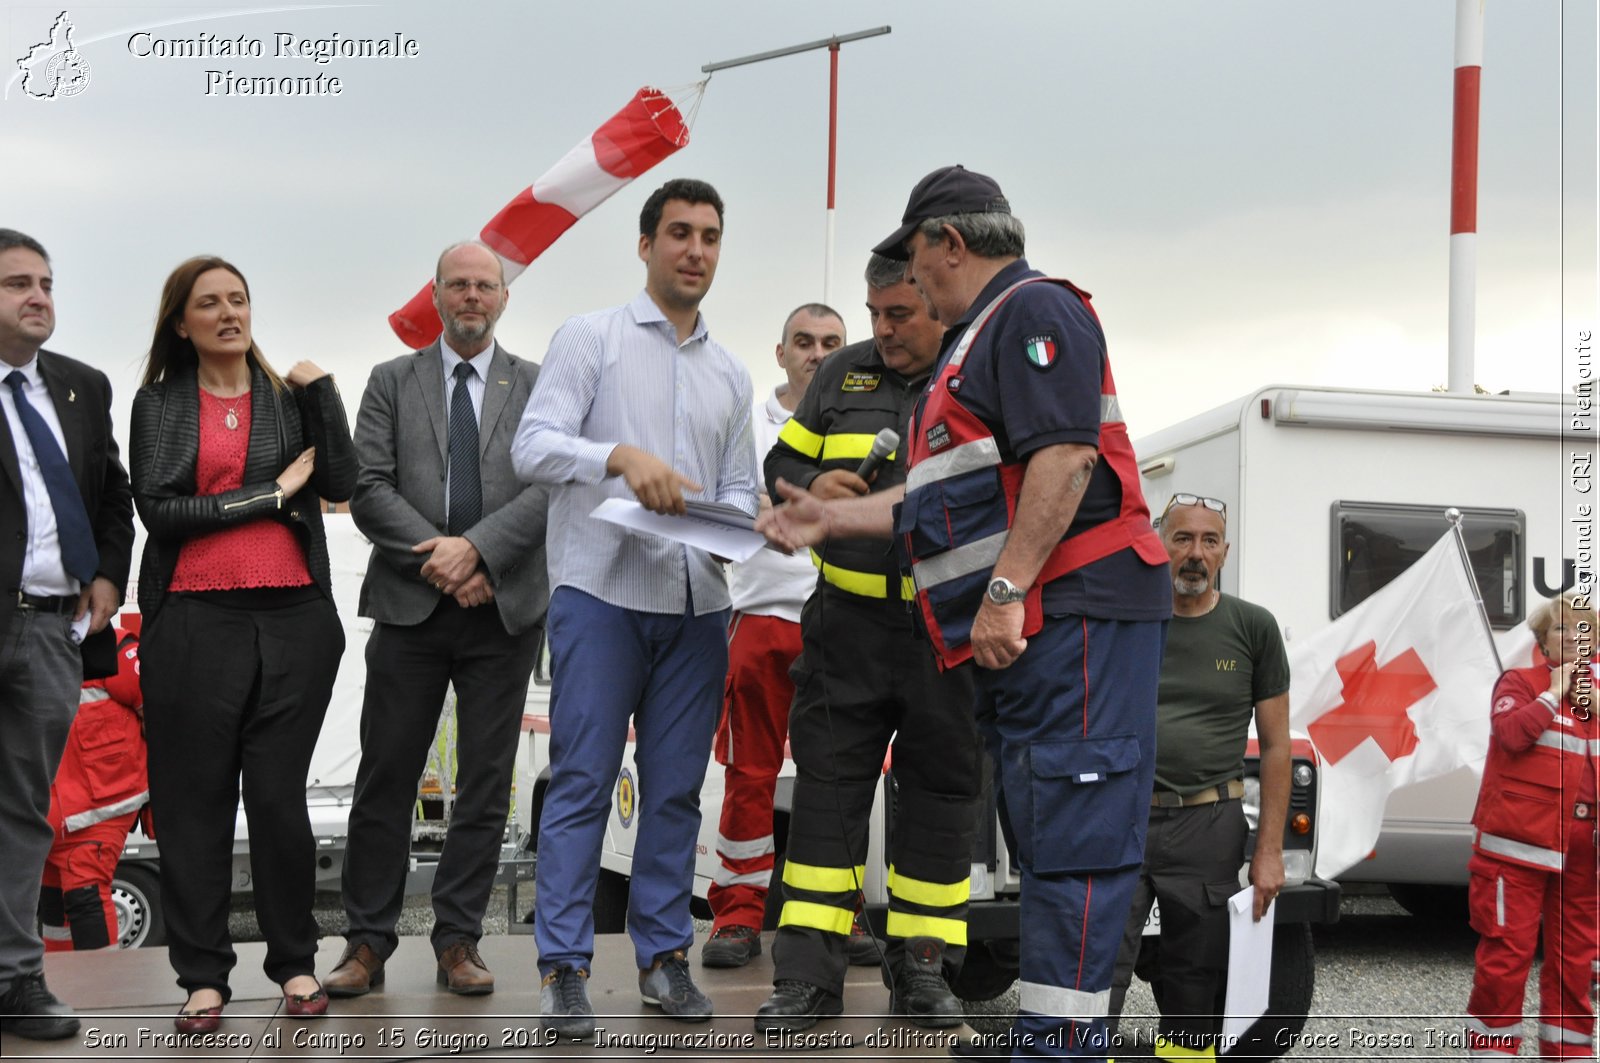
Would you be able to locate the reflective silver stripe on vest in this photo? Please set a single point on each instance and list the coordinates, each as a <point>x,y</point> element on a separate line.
<point>1513,850</point>
<point>1477,1025</point>
<point>1062,1003</point>
<point>968,457</point>
<point>90,695</point>
<point>726,878</point>
<point>1564,742</point>
<point>962,561</point>
<point>964,344</point>
<point>1110,410</point>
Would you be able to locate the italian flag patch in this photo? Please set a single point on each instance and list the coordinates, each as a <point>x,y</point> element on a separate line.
<point>1042,351</point>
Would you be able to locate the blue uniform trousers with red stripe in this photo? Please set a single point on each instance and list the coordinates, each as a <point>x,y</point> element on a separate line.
<point>1071,725</point>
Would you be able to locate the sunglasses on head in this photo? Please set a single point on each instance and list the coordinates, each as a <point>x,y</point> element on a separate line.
<point>1215,505</point>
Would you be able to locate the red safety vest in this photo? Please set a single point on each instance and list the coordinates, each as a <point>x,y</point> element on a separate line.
<point>1527,800</point>
<point>961,499</point>
<point>102,770</point>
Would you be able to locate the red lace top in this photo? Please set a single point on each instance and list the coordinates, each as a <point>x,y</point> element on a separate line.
<point>262,553</point>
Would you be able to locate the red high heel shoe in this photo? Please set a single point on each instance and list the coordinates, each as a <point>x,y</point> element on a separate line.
<point>306,1006</point>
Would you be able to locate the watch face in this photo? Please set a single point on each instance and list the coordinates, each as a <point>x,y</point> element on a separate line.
<point>1004,592</point>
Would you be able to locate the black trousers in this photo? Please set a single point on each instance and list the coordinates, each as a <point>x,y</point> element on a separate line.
<point>865,679</point>
<point>408,671</point>
<point>236,693</point>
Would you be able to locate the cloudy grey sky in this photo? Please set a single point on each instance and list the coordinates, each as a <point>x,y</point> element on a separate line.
<point>1256,191</point>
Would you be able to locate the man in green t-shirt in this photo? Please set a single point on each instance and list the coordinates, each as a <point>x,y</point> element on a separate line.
<point>1224,661</point>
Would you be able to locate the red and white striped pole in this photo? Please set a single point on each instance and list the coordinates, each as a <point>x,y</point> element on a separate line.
<point>1464,196</point>
<point>833,159</point>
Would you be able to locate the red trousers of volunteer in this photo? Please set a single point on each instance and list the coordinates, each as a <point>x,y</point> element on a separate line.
<point>75,897</point>
<point>1508,902</point>
<point>749,744</point>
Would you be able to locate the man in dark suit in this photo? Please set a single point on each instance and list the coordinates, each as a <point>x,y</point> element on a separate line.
<point>458,588</point>
<point>66,540</point>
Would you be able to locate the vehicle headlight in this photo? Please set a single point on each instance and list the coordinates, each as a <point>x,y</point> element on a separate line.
<point>1303,775</point>
<point>1252,800</point>
<point>1296,865</point>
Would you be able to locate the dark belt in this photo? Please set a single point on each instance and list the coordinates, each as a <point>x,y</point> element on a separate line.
<point>1583,810</point>
<point>1233,788</point>
<point>48,603</point>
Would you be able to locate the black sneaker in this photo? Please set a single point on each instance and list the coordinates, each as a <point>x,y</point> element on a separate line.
<point>919,991</point>
<point>731,946</point>
<point>668,986</point>
<point>796,1005</point>
<point>28,1009</point>
<point>861,948</point>
<point>564,1007</point>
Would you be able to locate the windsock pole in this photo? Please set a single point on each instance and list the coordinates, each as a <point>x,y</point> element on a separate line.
<point>1464,196</point>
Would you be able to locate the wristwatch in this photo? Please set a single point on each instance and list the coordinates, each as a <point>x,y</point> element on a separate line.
<point>1003,592</point>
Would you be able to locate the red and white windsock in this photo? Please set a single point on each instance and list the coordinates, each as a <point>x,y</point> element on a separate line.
<point>631,141</point>
<point>1464,195</point>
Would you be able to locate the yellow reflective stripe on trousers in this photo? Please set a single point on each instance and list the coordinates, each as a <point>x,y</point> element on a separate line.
<point>849,446</point>
<point>801,438</point>
<point>817,916</point>
<point>1166,1049</point>
<point>823,879</point>
<point>911,925</point>
<point>862,584</point>
<point>929,894</point>
<point>1062,1003</point>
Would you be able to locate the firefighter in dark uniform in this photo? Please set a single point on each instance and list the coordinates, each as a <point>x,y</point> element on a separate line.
<point>867,677</point>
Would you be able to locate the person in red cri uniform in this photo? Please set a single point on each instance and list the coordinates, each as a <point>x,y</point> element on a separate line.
<point>94,801</point>
<point>1533,854</point>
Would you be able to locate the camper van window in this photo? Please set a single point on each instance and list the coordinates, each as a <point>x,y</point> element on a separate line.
<point>1373,542</point>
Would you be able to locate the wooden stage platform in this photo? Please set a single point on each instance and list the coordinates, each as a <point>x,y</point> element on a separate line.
<point>126,1000</point>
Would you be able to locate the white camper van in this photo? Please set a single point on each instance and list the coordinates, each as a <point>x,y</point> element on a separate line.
<point>1333,492</point>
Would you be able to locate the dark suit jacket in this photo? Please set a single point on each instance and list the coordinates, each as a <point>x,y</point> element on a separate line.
<point>401,442</point>
<point>82,398</point>
<point>164,447</point>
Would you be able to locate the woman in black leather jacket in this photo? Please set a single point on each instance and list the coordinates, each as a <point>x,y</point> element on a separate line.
<point>241,642</point>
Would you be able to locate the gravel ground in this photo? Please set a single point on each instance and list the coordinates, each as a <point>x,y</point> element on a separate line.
<point>1388,985</point>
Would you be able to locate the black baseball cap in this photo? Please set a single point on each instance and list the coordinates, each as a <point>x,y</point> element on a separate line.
<point>951,190</point>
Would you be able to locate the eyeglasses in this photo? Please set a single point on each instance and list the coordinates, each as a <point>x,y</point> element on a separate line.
<point>459,286</point>
<point>1215,505</point>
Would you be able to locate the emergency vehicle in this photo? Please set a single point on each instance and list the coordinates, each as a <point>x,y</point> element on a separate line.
<point>1333,492</point>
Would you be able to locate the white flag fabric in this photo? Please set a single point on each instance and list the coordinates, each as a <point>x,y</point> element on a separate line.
<point>1393,692</point>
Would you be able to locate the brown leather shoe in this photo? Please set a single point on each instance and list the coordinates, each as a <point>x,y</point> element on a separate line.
<point>462,970</point>
<point>357,971</point>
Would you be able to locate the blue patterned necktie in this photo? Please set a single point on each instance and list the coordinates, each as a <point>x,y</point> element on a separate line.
<point>466,486</point>
<point>79,555</point>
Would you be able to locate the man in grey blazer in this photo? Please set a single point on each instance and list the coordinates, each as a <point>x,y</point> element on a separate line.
<point>457,587</point>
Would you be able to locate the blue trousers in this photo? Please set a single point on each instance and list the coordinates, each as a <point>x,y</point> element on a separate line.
<point>667,673</point>
<point>1071,725</point>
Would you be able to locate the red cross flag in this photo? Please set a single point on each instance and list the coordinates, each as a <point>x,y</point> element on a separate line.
<point>1394,692</point>
<point>631,141</point>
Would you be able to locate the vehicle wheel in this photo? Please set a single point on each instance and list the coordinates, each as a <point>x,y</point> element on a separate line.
<point>988,971</point>
<point>1444,904</point>
<point>610,903</point>
<point>1288,999</point>
<point>136,896</point>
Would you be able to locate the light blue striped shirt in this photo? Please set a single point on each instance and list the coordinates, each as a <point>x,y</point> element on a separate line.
<point>620,376</point>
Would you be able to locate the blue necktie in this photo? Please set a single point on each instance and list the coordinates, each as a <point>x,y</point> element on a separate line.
<point>79,555</point>
<point>466,486</point>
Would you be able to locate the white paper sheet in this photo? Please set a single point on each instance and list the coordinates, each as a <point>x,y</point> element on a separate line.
<point>1249,966</point>
<point>710,526</point>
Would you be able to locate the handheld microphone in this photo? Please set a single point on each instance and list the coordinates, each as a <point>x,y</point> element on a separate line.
<point>882,446</point>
